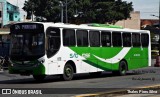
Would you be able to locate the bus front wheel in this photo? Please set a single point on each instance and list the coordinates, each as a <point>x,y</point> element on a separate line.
<point>68,72</point>
<point>39,77</point>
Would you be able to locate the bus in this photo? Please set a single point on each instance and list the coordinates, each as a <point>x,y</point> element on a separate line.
<point>42,49</point>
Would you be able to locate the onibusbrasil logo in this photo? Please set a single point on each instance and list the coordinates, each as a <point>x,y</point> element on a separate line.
<point>21,91</point>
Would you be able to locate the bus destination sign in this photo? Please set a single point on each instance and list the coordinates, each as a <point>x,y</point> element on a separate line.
<point>26,27</point>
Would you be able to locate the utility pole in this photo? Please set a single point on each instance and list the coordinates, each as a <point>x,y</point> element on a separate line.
<point>66,11</point>
<point>32,11</point>
<point>61,5</point>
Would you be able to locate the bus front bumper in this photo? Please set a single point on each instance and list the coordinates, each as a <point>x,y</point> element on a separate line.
<point>34,70</point>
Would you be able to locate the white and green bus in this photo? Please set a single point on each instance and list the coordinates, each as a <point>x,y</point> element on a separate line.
<point>41,49</point>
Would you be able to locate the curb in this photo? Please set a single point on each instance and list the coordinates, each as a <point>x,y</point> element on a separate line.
<point>117,92</point>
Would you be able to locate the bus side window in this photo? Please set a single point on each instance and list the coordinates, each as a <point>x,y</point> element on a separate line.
<point>106,39</point>
<point>82,38</point>
<point>136,40</point>
<point>94,37</point>
<point>117,39</point>
<point>126,39</point>
<point>145,40</point>
<point>69,37</point>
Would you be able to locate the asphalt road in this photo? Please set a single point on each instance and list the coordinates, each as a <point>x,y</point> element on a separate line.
<point>82,83</point>
<point>52,86</point>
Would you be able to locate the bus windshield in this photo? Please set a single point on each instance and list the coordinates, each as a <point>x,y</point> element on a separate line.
<point>27,46</point>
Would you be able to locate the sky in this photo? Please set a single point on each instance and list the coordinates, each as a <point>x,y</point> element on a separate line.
<point>146,7</point>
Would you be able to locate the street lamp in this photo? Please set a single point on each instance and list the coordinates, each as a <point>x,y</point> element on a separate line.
<point>66,8</point>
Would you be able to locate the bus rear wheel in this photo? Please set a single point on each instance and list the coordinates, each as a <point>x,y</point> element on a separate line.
<point>39,77</point>
<point>122,68</point>
<point>68,72</point>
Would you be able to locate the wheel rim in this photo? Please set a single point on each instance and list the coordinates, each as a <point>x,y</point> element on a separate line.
<point>123,69</point>
<point>68,72</point>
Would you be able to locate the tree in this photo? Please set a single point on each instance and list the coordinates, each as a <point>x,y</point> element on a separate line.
<point>81,11</point>
<point>48,9</point>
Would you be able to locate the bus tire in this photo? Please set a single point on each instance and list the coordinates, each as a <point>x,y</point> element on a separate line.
<point>122,68</point>
<point>39,77</point>
<point>68,72</point>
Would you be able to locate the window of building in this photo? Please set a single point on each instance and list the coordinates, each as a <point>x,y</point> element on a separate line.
<point>144,40</point>
<point>136,40</point>
<point>126,39</point>
<point>106,39</point>
<point>82,37</point>
<point>94,37</point>
<point>116,39</point>
<point>69,37</point>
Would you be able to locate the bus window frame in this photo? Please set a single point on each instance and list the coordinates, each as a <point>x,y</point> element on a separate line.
<point>144,45</point>
<point>121,42</point>
<point>86,31</point>
<point>137,44</point>
<point>73,35</point>
<point>110,36</point>
<point>93,31</point>
<point>128,41</point>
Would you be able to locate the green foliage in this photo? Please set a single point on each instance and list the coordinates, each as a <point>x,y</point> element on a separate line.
<point>81,11</point>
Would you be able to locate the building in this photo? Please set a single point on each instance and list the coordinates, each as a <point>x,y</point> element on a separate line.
<point>149,22</point>
<point>153,26</point>
<point>8,13</point>
<point>132,23</point>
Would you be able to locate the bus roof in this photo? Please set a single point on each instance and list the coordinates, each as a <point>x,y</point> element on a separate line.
<point>105,25</point>
<point>91,26</point>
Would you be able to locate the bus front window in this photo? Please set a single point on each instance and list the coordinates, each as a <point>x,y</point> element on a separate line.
<point>27,46</point>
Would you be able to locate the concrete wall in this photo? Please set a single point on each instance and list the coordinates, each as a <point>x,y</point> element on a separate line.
<point>133,22</point>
